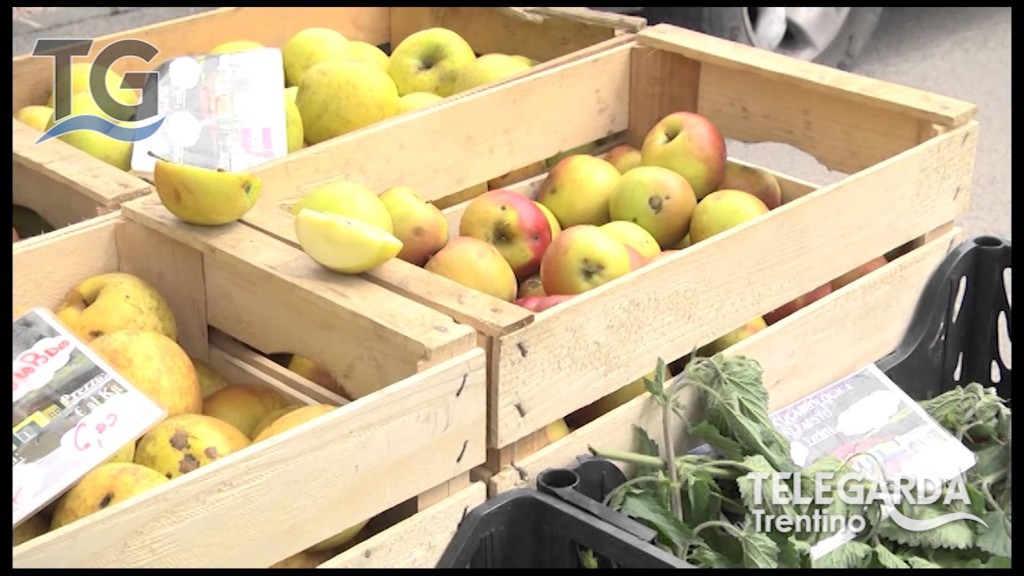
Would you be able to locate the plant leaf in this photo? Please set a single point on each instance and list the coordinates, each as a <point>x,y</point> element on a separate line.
<point>750,494</point>
<point>701,495</point>
<point>646,508</point>
<point>793,552</point>
<point>655,388</point>
<point>759,550</point>
<point>727,447</point>
<point>918,562</point>
<point>852,554</point>
<point>647,446</point>
<point>958,535</point>
<point>886,559</point>
<point>704,556</point>
<point>996,539</point>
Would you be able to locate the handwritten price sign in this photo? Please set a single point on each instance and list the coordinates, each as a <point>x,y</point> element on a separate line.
<point>35,367</point>
<point>90,431</point>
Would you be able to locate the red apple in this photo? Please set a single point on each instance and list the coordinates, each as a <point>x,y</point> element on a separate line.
<point>513,224</point>
<point>636,260</point>
<point>690,145</point>
<point>542,303</point>
<point>794,305</point>
<point>582,258</point>
<point>858,272</point>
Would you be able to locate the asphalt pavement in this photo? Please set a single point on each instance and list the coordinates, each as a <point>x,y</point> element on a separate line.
<point>959,52</point>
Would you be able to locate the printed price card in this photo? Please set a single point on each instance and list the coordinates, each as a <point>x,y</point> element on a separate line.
<point>71,411</point>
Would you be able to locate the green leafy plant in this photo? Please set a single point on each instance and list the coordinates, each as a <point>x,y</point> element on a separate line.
<point>706,508</point>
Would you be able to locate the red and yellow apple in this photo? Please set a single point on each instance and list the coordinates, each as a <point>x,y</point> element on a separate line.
<point>555,226</point>
<point>636,260</point>
<point>576,190</point>
<point>690,145</point>
<point>475,264</point>
<point>624,158</point>
<point>722,210</point>
<point>582,258</point>
<point>419,224</point>
<point>753,180</point>
<point>657,199</point>
<point>634,236</point>
<point>793,305</point>
<point>513,224</point>
<point>858,272</point>
<point>541,303</point>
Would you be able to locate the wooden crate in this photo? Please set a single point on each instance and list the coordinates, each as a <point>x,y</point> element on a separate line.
<point>909,155</point>
<point>65,185</point>
<point>237,293</point>
<point>819,344</point>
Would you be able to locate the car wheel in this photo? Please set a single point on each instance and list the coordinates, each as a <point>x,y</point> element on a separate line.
<point>830,36</point>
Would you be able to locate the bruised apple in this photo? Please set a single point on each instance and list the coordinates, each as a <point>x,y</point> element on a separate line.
<point>582,258</point>
<point>656,199</point>
<point>532,286</point>
<point>755,181</point>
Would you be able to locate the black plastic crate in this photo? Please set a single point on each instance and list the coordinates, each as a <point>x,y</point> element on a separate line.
<point>953,339</point>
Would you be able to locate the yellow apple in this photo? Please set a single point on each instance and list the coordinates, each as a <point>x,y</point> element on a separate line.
<point>556,228</point>
<point>557,430</point>
<point>293,120</point>
<point>633,235</point>
<point>690,145</point>
<point>489,68</point>
<point>417,100</point>
<point>307,48</point>
<point>107,303</point>
<point>513,224</point>
<point>348,199</point>
<point>186,442</point>
<point>236,46</point>
<point>721,210</point>
<point>430,60</point>
<point>339,96</point>
<point>104,486</point>
<point>156,365</point>
<point>365,52</point>
<point>35,116</point>
<point>80,85</point>
<point>243,406</point>
<point>315,372</point>
<point>418,223</point>
<point>475,264</point>
<point>203,196</point>
<point>113,152</point>
<point>344,244</point>
<point>657,199</point>
<point>582,258</point>
<point>578,188</point>
<point>624,158</point>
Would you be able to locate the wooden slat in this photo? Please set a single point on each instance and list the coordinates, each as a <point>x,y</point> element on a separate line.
<point>417,542</point>
<point>817,80</point>
<point>613,334</point>
<point>804,352</point>
<point>308,483</point>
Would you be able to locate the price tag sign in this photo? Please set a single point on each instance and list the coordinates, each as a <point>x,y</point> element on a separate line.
<point>71,411</point>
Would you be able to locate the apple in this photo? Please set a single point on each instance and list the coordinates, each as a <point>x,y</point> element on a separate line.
<point>589,149</point>
<point>577,190</point>
<point>722,210</point>
<point>727,340</point>
<point>800,302</point>
<point>581,258</point>
<point>307,48</point>
<point>657,199</point>
<point>349,199</point>
<point>489,68</point>
<point>754,181</point>
<point>114,302</point>
<point>517,175</point>
<point>690,145</point>
<point>532,286</point>
<point>338,96</point>
<point>858,272</point>
<point>662,254</point>
<point>417,100</point>
<point>636,260</point>
<point>430,60</point>
<point>35,116</point>
<point>683,244</point>
<point>556,228</point>
<point>634,236</point>
<point>366,52</point>
<point>542,303</point>
<point>418,223</point>
<point>513,224</point>
<point>624,158</point>
<point>475,264</point>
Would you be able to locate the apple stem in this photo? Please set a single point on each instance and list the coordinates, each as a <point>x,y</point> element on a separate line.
<point>157,156</point>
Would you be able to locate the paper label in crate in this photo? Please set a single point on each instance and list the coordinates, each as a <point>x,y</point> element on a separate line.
<point>221,111</point>
<point>71,411</point>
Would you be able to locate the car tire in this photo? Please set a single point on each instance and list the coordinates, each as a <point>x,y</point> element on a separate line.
<point>842,39</point>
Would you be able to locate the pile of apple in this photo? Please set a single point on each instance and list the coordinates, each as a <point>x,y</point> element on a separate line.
<point>353,84</point>
<point>129,324</point>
